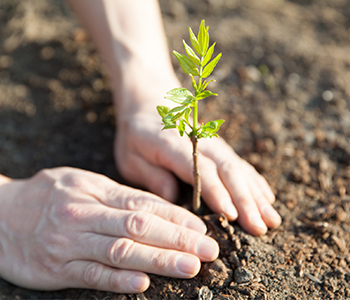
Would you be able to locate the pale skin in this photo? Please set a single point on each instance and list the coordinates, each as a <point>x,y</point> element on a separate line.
<point>67,227</point>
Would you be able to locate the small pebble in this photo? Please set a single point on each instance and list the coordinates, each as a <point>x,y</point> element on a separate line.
<point>47,53</point>
<point>327,95</point>
<point>294,78</point>
<point>205,293</point>
<point>242,275</point>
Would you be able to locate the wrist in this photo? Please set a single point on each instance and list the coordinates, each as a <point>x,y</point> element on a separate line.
<point>139,89</point>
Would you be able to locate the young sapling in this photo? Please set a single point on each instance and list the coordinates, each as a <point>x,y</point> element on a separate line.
<point>198,64</point>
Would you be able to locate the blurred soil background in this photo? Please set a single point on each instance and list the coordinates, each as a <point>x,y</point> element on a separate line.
<point>284,90</point>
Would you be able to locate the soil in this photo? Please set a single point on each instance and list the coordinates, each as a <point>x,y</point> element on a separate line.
<point>284,90</point>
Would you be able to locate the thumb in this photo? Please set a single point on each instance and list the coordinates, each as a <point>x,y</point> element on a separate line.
<point>155,179</point>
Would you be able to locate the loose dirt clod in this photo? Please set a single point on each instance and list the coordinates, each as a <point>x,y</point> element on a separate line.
<point>205,293</point>
<point>242,275</point>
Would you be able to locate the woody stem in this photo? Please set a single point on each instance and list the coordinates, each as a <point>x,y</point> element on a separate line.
<point>197,183</point>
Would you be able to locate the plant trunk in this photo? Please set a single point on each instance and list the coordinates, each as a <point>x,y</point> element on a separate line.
<point>196,176</point>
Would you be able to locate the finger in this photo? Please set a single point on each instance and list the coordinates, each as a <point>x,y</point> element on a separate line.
<point>156,179</point>
<point>260,181</point>
<point>152,230</point>
<point>269,215</point>
<point>246,186</point>
<point>93,275</point>
<point>119,196</point>
<point>226,153</point>
<point>213,190</point>
<point>125,253</point>
<point>248,212</point>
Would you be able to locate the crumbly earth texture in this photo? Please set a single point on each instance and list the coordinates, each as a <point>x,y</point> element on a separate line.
<point>284,90</point>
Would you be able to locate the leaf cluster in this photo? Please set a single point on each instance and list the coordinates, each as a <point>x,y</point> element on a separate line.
<point>197,62</point>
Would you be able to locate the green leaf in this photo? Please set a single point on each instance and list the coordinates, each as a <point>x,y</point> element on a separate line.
<point>178,100</point>
<point>205,94</point>
<point>206,135</point>
<point>212,126</point>
<point>169,127</point>
<point>203,135</point>
<point>194,84</point>
<point>194,41</point>
<point>203,38</point>
<point>209,54</point>
<point>178,116</point>
<point>163,110</point>
<point>205,84</point>
<point>180,92</point>
<point>180,95</point>
<point>190,53</point>
<point>187,114</point>
<point>186,64</point>
<point>210,67</point>
<point>177,109</point>
<point>167,120</point>
<point>181,127</point>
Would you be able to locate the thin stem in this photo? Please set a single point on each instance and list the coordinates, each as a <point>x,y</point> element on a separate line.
<point>196,202</point>
<point>195,118</point>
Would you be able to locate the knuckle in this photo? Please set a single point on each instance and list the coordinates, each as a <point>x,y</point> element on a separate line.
<point>71,211</point>
<point>73,181</point>
<point>258,196</point>
<point>243,200</point>
<point>227,167</point>
<point>118,252</point>
<point>181,240</point>
<point>139,202</point>
<point>137,224</point>
<point>44,175</point>
<point>160,261</point>
<point>112,194</point>
<point>93,275</point>
<point>114,282</point>
<point>49,263</point>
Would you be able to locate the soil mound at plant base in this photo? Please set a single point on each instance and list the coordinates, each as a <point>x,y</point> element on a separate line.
<point>284,91</point>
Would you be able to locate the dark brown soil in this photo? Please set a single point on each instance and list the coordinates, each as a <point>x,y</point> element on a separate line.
<point>284,90</point>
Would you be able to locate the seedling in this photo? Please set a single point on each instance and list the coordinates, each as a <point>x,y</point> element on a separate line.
<point>196,63</point>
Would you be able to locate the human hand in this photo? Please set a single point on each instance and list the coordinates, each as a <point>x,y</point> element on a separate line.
<point>148,157</point>
<point>66,228</point>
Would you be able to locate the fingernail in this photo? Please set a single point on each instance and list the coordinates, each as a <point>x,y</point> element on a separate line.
<point>270,213</point>
<point>138,282</point>
<point>207,249</point>
<point>268,193</point>
<point>255,220</point>
<point>230,211</point>
<point>196,225</point>
<point>187,265</point>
